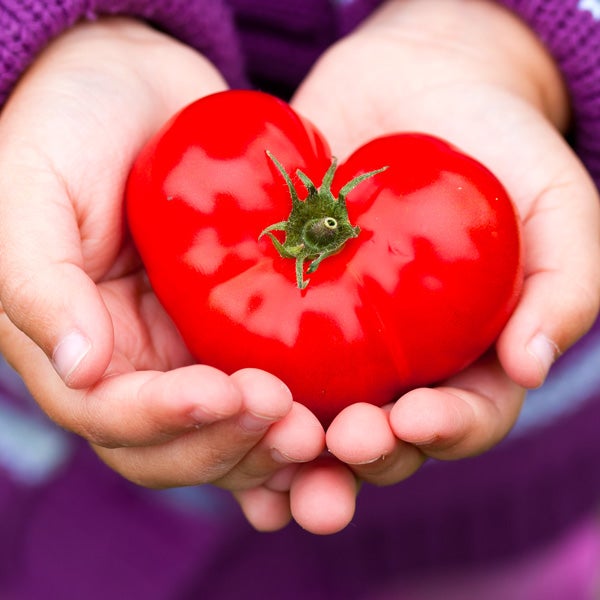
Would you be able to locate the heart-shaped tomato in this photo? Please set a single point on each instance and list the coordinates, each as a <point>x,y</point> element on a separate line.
<point>427,274</point>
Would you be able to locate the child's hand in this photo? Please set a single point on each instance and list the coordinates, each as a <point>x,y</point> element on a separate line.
<point>473,74</point>
<point>73,291</point>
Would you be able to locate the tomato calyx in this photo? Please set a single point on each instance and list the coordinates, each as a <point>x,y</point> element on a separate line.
<point>317,226</point>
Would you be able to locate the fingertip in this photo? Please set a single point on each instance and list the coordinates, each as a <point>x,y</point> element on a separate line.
<point>206,394</point>
<point>61,310</point>
<point>81,359</point>
<point>526,355</point>
<point>69,354</point>
<point>265,397</point>
<point>544,352</point>
<point>469,415</point>
<point>426,417</point>
<point>558,305</point>
<point>323,497</point>
<point>266,510</point>
<point>360,434</point>
<point>298,437</point>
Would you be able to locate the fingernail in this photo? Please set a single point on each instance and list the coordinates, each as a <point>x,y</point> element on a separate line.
<point>202,417</point>
<point>281,457</point>
<point>69,353</point>
<point>368,461</point>
<point>545,352</point>
<point>254,423</point>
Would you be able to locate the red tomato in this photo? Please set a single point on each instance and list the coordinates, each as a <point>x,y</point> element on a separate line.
<point>427,278</point>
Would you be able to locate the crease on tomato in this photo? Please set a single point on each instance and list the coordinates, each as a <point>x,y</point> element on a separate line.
<point>279,315</point>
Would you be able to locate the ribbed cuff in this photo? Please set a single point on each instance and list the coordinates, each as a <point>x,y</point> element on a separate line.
<point>571,31</point>
<point>27,26</point>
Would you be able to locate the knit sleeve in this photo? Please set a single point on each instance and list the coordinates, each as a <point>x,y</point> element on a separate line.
<point>27,26</point>
<point>570,30</point>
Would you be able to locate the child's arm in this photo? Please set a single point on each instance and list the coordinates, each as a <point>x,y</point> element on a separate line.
<point>79,321</point>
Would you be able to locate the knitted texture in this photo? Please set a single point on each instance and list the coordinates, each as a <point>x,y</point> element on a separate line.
<point>300,31</point>
<point>27,26</point>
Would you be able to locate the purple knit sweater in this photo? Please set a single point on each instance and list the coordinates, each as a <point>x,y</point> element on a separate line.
<point>248,33</point>
<point>66,521</point>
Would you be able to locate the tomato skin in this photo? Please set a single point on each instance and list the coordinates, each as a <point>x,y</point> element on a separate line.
<point>421,293</point>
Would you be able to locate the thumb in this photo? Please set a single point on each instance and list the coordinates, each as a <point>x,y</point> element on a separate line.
<point>561,293</point>
<point>44,288</point>
<point>68,136</point>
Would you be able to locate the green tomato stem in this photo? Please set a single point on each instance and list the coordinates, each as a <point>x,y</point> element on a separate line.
<point>318,226</point>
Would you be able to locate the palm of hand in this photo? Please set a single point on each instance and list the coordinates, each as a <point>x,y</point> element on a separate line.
<point>490,106</point>
<point>149,413</point>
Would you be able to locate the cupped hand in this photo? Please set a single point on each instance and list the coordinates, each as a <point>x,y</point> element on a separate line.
<point>118,374</point>
<point>79,321</point>
<point>474,74</point>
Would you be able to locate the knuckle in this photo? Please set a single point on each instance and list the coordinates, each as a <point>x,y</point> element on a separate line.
<point>20,299</point>
<point>26,298</point>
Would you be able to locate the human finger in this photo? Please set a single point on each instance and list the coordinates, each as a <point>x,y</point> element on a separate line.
<point>265,509</point>
<point>361,437</point>
<point>468,415</point>
<point>208,452</point>
<point>561,294</point>
<point>297,438</point>
<point>62,178</point>
<point>323,496</point>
